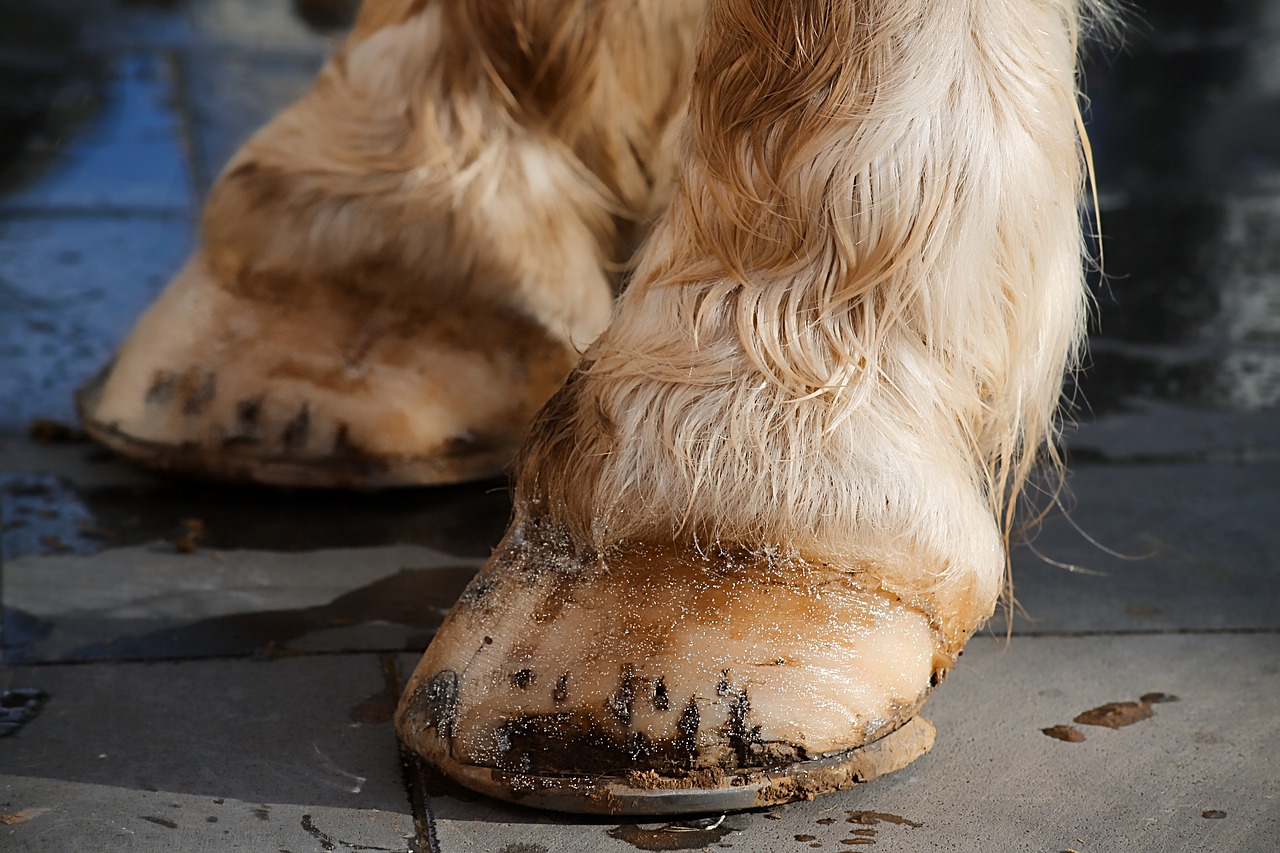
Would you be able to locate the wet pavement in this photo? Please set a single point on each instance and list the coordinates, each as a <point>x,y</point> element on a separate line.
<point>213,668</point>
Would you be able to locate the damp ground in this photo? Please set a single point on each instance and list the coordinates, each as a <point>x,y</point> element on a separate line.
<point>190,667</point>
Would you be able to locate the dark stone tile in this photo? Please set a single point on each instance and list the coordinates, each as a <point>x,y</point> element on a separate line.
<point>1147,431</point>
<point>466,520</point>
<point>1203,20</point>
<point>293,26</point>
<point>303,26</point>
<point>1166,267</point>
<point>37,57</point>
<point>1156,548</point>
<point>156,603</point>
<point>188,737</point>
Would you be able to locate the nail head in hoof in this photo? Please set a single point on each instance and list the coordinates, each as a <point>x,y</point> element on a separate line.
<point>651,793</point>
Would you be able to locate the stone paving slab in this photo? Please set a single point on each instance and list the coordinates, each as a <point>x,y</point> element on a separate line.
<point>1146,548</point>
<point>258,24</point>
<point>994,781</point>
<point>77,465</point>
<point>1196,83</point>
<point>1183,382</point>
<point>151,602</point>
<point>108,819</point>
<point>1189,312</point>
<point>1148,431</point>
<point>210,755</point>
<point>1174,547</point>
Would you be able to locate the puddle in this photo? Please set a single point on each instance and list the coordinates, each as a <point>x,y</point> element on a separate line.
<point>875,818</point>
<point>1114,715</point>
<point>684,835</point>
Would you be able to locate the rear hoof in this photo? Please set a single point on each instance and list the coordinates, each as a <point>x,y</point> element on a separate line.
<point>321,389</point>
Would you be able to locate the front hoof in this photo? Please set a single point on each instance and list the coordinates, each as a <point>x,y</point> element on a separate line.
<point>657,680</point>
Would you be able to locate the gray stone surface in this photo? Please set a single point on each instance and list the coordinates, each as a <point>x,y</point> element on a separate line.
<point>262,25</point>
<point>208,755</point>
<point>160,603</point>
<point>72,497</point>
<point>995,781</point>
<point>1155,547</point>
<point>1153,431</point>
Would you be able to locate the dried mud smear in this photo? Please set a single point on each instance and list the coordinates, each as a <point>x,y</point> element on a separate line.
<point>1070,734</point>
<point>1113,715</point>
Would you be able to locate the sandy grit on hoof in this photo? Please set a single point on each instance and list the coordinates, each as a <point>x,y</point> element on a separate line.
<point>655,680</point>
<point>332,389</point>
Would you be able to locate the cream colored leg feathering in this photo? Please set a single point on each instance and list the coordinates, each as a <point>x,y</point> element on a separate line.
<point>765,513</point>
<point>401,267</point>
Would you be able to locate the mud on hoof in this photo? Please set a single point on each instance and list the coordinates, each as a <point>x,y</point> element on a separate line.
<point>661,680</point>
<point>652,793</point>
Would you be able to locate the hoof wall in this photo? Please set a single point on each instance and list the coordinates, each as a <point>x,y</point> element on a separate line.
<point>343,469</point>
<point>650,793</point>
